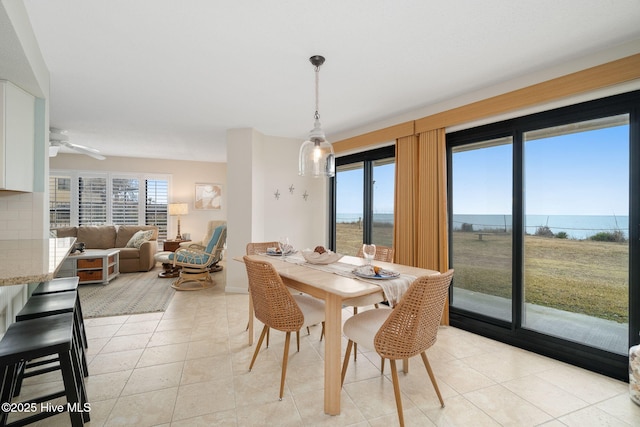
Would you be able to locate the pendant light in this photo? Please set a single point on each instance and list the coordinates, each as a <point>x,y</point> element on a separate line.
<point>316,154</point>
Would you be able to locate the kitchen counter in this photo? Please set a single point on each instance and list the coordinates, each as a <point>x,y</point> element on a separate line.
<point>32,261</point>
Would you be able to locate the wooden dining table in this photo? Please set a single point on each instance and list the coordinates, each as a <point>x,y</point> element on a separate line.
<point>333,289</point>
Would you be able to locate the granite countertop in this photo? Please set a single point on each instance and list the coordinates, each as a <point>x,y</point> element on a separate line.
<point>32,261</point>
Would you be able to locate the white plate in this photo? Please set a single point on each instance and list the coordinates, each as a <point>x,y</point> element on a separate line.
<point>383,276</point>
<point>279,253</point>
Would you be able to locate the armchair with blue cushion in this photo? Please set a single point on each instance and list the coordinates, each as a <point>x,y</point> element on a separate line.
<point>196,261</point>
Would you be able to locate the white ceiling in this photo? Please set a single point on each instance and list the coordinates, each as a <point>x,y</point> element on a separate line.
<point>167,78</point>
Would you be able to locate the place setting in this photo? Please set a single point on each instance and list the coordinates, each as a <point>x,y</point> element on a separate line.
<point>283,249</point>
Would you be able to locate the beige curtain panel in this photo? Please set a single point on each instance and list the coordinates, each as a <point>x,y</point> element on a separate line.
<point>420,229</point>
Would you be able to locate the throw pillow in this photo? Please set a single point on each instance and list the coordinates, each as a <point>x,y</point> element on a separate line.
<point>139,238</point>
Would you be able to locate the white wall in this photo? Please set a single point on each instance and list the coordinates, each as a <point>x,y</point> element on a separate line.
<point>184,176</point>
<point>258,166</point>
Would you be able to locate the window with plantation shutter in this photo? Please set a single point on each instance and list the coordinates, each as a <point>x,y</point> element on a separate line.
<point>92,200</point>
<point>79,198</point>
<point>59,201</point>
<point>157,199</point>
<point>125,198</point>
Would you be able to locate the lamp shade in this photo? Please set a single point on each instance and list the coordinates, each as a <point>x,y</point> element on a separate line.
<point>178,209</point>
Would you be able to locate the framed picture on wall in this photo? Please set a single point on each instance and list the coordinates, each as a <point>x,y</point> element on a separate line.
<point>208,196</point>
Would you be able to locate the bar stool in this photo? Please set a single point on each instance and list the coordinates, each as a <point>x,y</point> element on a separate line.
<point>38,338</point>
<point>55,303</point>
<point>45,306</point>
<point>64,284</point>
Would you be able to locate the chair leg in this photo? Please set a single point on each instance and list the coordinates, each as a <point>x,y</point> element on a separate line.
<point>250,313</point>
<point>255,353</point>
<point>433,377</point>
<point>8,383</point>
<point>345,363</point>
<point>268,335</point>
<point>298,340</point>
<point>285,358</point>
<point>382,365</point>
<point>322,333</point>
<point>355,345</point>
<point>396,391</point>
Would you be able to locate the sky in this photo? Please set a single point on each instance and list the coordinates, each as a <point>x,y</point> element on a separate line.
<point>350,188</point>
<point>584,173</point>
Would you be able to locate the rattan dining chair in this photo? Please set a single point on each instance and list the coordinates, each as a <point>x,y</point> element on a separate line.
<point>407,330</point>
<point>255,248</point>
<point>277,308</point>
<point>384,254</point>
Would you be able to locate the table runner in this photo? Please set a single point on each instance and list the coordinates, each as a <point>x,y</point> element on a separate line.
<point>393,289</point>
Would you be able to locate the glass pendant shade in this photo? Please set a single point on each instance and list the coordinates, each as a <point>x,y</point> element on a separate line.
<point>317,158</point>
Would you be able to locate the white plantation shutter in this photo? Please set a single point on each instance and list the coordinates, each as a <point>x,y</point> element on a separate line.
<point>157,199</point>
<point>60,201</point>
<point>92,200</point>
<point>125,198</point>
<point>81,198</point>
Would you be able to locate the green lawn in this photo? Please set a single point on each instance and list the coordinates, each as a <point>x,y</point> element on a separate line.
<point>580,276</point>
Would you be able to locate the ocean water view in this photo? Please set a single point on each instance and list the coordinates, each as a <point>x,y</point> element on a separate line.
<point>386,218</point>
<point>576,226</point>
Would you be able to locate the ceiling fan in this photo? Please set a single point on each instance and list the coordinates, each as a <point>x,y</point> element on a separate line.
<point>59,138</point>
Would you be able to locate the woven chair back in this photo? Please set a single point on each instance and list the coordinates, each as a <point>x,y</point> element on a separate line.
<point>255,248</point>
<point>273,304</point>
<point>412,326</point>
<point>383,253</point>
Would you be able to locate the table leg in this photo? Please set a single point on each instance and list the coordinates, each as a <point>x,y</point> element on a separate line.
<point>332,365</point>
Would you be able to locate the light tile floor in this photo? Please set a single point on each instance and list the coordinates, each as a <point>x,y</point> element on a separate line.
<point>189,365</point>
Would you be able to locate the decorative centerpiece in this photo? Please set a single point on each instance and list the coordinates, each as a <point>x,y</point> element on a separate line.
<point>320,255</point>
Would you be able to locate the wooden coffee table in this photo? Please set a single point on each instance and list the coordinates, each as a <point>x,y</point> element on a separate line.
<point>92,265</point>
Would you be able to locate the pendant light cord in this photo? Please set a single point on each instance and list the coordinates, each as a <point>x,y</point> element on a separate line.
<point>317,114</point>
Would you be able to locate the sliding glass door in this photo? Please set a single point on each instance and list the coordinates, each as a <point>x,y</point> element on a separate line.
<point>481,227</point>
<point>545,231</point>
<point>363,200</point>
<point>576,240</point>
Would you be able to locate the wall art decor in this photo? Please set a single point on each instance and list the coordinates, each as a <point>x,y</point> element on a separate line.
<point>208,196</point>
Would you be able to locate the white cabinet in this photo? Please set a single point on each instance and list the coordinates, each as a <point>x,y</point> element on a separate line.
<point>17,130</point>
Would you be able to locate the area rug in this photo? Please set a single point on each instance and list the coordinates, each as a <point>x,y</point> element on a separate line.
<point>130,293</point>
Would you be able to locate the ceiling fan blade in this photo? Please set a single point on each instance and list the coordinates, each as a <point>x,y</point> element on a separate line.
<point>59,138</point>
<point>92,152</point>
